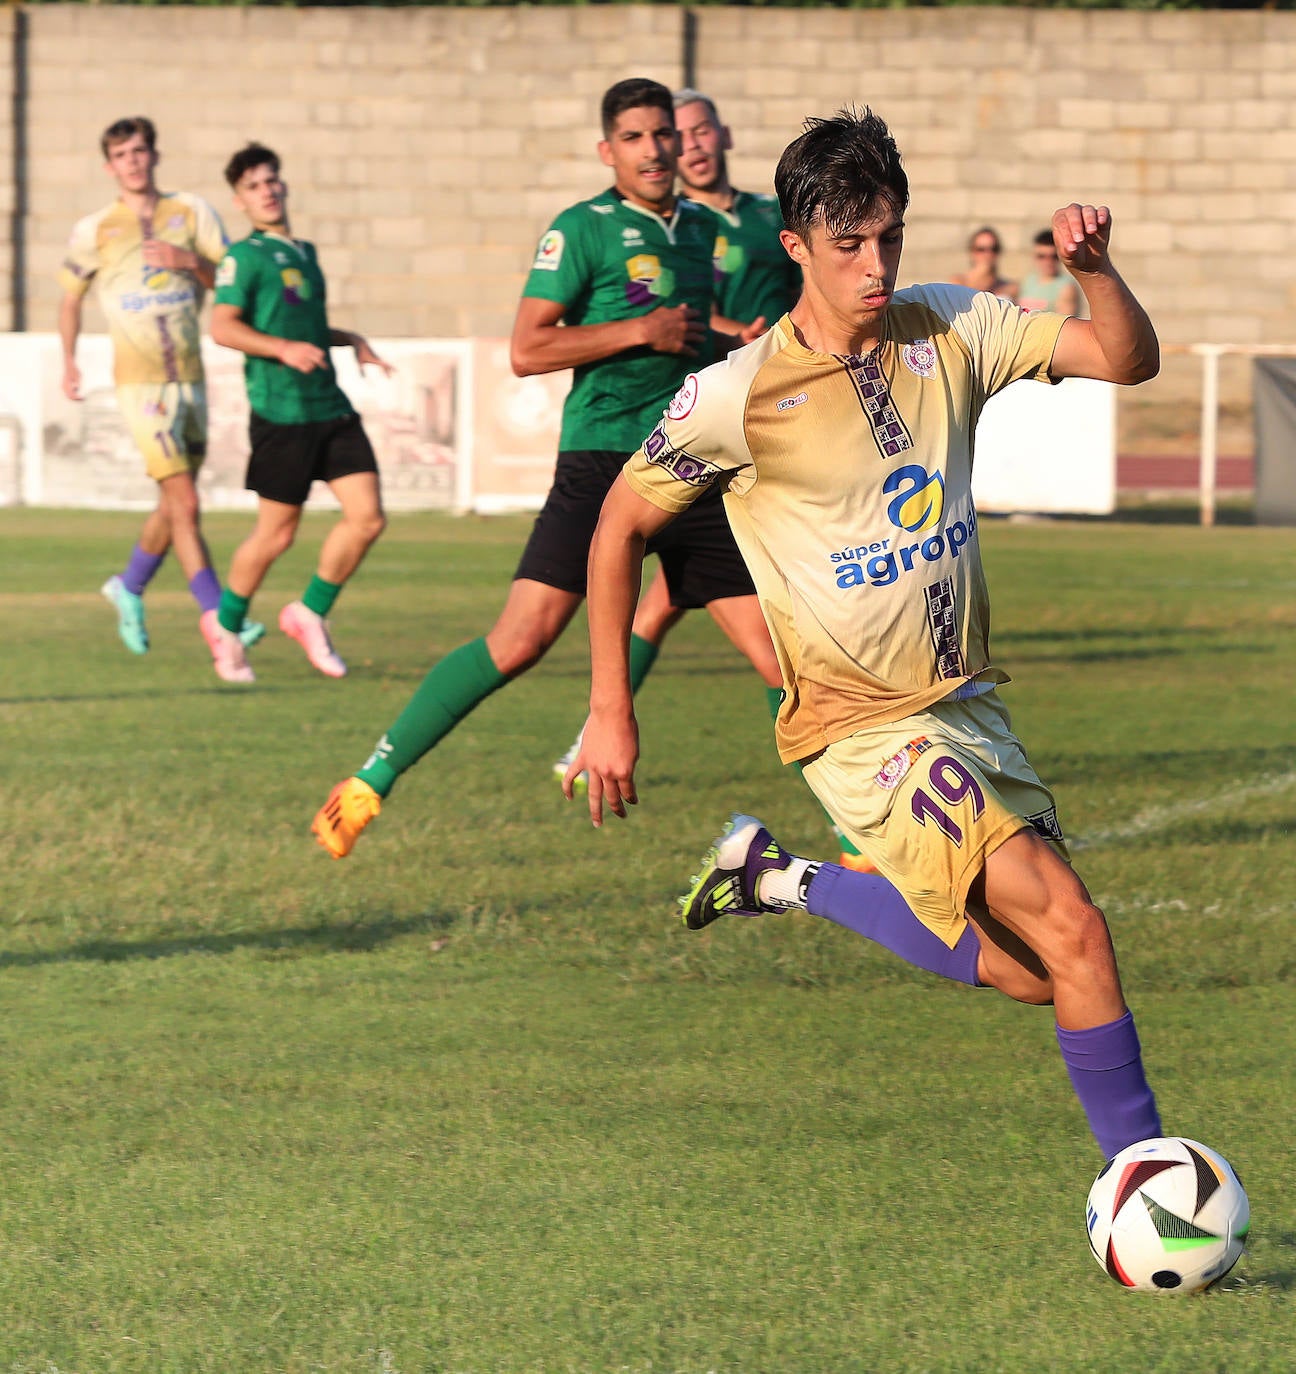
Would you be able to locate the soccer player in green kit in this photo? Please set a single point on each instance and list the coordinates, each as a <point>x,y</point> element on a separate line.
<point>621,290</point>
<point>756,281</point>
<point>270,305</point>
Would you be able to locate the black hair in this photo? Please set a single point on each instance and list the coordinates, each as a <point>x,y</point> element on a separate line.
<point>637,92</point>
<point>840,173</point>
<point>249,156</point>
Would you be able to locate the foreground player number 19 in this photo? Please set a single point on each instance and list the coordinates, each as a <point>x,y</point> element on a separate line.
<point>952,783</point>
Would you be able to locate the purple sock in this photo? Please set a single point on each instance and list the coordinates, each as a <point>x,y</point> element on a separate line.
<point>205,590</point>
<point>139,571</point>
<point>1106,1068</point>
<point>870,906</point>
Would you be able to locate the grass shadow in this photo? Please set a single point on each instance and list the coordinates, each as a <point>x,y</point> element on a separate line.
<point>351,937</point>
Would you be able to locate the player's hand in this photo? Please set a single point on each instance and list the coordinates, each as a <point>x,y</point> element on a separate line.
<point>1081,234</point>
<point>301,357</point>
<point>159,253</point>
<point>674,329</point>
<point>753,330</point>
<point>72,382</point>
<point>365,356</point>
<point>608,753</point>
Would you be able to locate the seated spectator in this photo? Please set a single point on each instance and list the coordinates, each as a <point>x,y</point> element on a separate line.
<point>983,266</point>
<point>1046,286</point>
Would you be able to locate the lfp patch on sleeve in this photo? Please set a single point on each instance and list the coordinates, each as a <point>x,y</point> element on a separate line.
<point>549,254</point>
<point>684,399</point>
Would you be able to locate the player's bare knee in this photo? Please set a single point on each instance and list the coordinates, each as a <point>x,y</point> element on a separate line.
<point>1081,939</point>
<point>515,649</point>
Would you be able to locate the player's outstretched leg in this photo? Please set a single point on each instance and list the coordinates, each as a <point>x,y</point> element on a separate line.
<point>129,606</point>
<point>534,615</point>
<point>748,873</point>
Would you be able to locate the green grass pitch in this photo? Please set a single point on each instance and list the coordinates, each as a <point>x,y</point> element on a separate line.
<point>474,1101</point>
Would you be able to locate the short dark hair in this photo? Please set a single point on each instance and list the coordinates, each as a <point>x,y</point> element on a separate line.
<point>636,92</point>
<point>984,229</point>
<point>1044,236</point>
<point>122,129</point>
<point>249,156</point>
<point>839,173</point>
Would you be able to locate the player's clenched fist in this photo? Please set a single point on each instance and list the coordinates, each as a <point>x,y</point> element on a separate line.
<point>1081,234</point>
<point>674,329</point>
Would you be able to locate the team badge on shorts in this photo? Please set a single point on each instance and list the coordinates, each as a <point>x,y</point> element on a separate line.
<point>1047,825</point>
<point>893,771</point>
<point>684,399</point>
<point>919,358</point>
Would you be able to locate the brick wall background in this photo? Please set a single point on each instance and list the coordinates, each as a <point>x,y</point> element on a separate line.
<point>427,148</point>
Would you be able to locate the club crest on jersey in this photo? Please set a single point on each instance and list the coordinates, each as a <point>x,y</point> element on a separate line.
<point>684,399</point>
<point>683,466</point>
<point>295,288</point>
<point>548,256</point>
<point>919,357</point>
<point>892,772</point>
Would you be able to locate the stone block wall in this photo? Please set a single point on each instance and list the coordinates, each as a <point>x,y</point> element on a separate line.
<point>427,148</point>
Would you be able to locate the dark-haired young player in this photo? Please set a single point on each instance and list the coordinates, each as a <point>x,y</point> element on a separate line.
<point>270,306</point>
<point>755,283</point>
<point>620,291</point>
<point>843,442</point>
<point>151,256</point>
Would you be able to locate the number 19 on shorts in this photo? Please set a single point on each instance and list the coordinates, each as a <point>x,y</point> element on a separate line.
<point>952,784</point>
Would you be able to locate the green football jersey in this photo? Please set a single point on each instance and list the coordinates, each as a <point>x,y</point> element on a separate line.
<point>279,289</point>
<point>754,275</point>
<point>605,259</point>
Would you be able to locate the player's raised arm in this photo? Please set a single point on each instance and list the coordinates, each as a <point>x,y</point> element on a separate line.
<point>610,747</point>
<point>1118,342</point>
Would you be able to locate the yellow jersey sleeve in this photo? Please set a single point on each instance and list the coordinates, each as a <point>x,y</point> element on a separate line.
<point>81,258</point>
<point>701,440</point>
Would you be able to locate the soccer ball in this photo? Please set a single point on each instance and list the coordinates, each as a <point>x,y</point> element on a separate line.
<point>1167,1215</point>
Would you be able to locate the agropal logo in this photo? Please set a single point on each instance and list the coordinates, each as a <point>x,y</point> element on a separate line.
<point>918,498</point>
<point>917,507</point>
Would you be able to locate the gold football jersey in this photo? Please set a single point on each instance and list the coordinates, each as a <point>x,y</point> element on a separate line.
<point>848,483</point>
<point>152,312</point>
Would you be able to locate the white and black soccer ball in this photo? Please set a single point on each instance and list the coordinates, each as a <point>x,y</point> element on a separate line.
<point>1167,1216</point>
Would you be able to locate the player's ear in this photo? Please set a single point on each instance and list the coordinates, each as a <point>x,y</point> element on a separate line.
<point>794,246</point>
<point>605,152</point>
<point>726,139</point>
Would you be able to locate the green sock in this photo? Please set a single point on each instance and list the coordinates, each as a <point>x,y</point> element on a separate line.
<point>774,696</point>
<point>232,611</point>
<point>464,678</point>
<point>320,595</point>
<point>643,654</point>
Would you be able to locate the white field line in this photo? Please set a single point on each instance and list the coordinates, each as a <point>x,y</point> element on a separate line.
<point>1164,817</point>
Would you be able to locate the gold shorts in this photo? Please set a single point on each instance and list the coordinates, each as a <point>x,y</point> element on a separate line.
<point>168,421</point>
<point>930,797</point>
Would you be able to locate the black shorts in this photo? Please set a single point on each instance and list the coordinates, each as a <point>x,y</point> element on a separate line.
<point>697,550</point>
<point>286,459</point>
